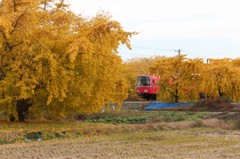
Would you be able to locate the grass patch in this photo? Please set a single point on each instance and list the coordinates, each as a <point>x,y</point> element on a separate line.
<point>146,116</point>
<point>119,120</point>
<point>101,124</point>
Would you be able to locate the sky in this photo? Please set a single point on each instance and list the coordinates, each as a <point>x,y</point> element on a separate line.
<point>200,28</point>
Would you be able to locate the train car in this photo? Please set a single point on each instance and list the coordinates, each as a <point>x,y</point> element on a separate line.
<point>147,87</point>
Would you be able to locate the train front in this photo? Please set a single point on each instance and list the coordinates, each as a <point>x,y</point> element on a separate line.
<point>147,87</point>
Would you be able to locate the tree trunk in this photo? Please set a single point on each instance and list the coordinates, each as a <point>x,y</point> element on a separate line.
<point>22,108</point>
<point>176,96</point>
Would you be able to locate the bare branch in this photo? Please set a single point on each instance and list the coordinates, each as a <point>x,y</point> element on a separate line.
<point>14,6</point>
<point>17,20</point>
<point>8,46</point>
<point>4,35</point>
<point>45,5</point>
<point>17,44</point>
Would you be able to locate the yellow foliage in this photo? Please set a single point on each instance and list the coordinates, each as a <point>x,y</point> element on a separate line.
<point>179,78</point>
<point>183,79</point>
<point>221,78</point>
<point>65,63</point>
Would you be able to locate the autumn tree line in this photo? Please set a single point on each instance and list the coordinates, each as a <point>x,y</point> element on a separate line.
<point>185,79</point>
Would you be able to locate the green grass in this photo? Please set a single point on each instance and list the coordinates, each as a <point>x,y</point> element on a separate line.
<point>119,120</point>
<point>146,117</point>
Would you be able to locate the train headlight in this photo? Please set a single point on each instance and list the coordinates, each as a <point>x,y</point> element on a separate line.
<point>145,90</point>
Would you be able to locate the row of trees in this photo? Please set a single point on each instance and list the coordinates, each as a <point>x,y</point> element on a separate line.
<point>55,62</point>
<point>183,79</point>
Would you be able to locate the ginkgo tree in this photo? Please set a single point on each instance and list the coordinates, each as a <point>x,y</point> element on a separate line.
<point>56,62</point>
<point>180,78</point>
<point>221,78</point>
<point>183,79</point>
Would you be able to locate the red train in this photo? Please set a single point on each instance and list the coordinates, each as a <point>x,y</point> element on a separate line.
<point>147,87</point>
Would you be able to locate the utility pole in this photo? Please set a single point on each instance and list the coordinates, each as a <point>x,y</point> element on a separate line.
<point>179,52</point>
<point>176,96</point>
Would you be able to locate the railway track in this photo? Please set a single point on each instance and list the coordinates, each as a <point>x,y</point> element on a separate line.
<point>141,104</point>
<point>129,105</point>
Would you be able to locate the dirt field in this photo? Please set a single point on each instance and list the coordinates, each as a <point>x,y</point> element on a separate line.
<point>188,143</point>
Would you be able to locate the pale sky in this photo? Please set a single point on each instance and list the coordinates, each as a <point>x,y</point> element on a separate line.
<point>200,28</point>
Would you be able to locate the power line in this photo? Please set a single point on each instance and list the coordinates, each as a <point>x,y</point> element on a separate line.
<point>179,51</point>
<point>130,53</point>
<point>172,50</point>
<point>148,48</point>
<point>145,55</point>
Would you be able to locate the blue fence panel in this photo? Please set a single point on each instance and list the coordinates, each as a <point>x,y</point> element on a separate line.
<point>161,105</point>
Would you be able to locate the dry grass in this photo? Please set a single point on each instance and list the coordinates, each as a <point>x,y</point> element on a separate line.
<point>21,132</point>
<point>190,143</point>
<point>201,137</point>
<point>17,132</point>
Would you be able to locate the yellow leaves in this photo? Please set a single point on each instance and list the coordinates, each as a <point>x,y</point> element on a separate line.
<point>5,27</point>
<point>222,78</point>
<point>81,47</point>
<point>60,59</point>
<point>236,62</point>
<point>93,52</point>
<point>180,77</point>
<point>191,76</point>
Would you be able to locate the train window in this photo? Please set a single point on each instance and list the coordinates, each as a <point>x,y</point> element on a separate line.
<point>153,82</point>
<point>143,81</point>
